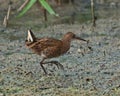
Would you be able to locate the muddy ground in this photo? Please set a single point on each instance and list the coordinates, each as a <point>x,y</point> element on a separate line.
<point>87,72</point>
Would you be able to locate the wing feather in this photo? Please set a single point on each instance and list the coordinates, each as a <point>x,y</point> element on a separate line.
<point>47,46</point>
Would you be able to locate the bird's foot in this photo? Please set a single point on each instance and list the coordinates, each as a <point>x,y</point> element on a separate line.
<point>58,64</point>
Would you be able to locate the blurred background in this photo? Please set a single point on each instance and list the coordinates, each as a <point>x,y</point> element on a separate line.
<point>70,11</point>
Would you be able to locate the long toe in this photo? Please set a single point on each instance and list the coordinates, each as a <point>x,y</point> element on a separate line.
<point>61,66</point>
<point>58,64</point>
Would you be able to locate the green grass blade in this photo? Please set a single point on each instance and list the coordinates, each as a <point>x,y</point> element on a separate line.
<point>26,8</point>
<point>47,7</point>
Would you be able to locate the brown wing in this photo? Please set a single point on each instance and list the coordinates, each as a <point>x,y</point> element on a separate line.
<point>48,46</point>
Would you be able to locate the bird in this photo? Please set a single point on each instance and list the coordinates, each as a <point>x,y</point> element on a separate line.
<point>48,47</point>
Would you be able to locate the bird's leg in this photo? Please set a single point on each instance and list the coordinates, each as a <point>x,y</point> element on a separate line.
<point>41,64</point>
<point>52,62</point>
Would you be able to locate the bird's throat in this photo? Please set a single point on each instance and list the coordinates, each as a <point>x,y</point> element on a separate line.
<point>66,45</point>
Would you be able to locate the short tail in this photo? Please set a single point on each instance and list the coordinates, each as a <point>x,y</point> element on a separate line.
<point>31,37</point>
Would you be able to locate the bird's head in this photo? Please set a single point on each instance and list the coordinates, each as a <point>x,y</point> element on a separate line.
<point>70,36</point>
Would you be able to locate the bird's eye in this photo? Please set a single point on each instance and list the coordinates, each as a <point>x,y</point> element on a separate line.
<point>73,35</point>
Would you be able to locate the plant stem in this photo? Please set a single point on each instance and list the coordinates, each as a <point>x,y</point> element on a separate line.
<point>93,13</point>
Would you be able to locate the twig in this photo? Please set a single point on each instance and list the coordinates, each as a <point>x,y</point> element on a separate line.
<point>8,13</point>
<point>58,2</point>
<point>23,5</point>
<point>45,14</point>
<point>6,18</point>
<point>71,1</point>
<point>93,13</point>
<point>5,21</point>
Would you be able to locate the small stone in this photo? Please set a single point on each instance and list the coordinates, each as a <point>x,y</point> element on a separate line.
<point>1,94</point>
<point>79,51</point>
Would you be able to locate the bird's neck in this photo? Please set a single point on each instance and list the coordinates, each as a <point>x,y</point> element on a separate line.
<point>66,44</point>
